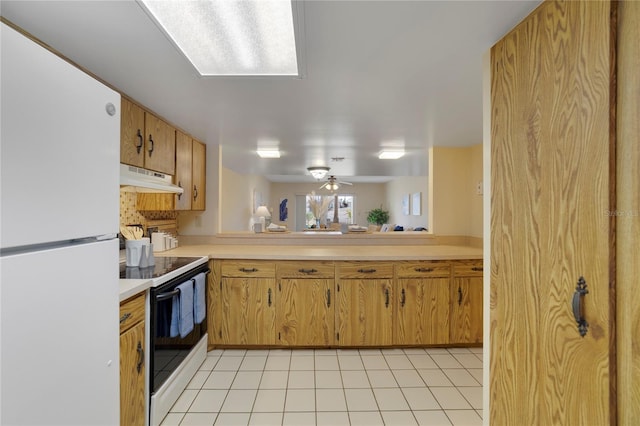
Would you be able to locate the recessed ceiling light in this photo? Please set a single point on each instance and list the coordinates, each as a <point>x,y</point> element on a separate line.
<point>268,153</point>
<point>231,37</point>
<point>318,172</point>
<point>390,154</point>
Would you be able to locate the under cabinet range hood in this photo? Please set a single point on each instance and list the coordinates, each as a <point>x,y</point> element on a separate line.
<point>135,179</point>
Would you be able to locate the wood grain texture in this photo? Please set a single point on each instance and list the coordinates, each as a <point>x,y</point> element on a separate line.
<point>248,268</point>
<point>628,214</point>
<point>550,189</point>
<point>131,124</point>
<point>132,381</point>
<point>305,312</point>
<point>163,156</point>
<point>422,311</point>
<point>466,310</point>
<point>364,270</point>
<point>182,178</point>
<point>419,269</point>
<point>248,318</point>
<point>199,176</point>
<point>132,311</point>
<point>305,269</point>
<point>364,312</point>
<point>148,201</point>
<point>214,304</point>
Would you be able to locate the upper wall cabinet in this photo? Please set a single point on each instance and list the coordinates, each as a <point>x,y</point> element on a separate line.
<point>190,172</point>
<point>145,140</point>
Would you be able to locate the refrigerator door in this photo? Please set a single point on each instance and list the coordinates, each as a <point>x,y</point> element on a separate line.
<point>60,148</point>
<point>60,336</point>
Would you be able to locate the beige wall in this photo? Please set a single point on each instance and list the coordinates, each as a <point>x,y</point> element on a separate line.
<point>237,197</point>
<point>400,187</point>
<point>455,173</point>
<point>367,197</point>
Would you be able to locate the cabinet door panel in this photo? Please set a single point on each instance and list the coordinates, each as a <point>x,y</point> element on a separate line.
<point>364,315</point>
<point>131,134</point>
<point>422,307</point>
<point>132,383</point>
<point>160,145</point>
<point>199,176</point>
<point>184,152</point>
<point>466,310</point>
<point>248,311</point>
<point>305,315</point>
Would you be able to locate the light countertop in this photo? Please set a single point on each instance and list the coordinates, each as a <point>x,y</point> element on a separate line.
<point>343,252</point>
<point>131,287</point>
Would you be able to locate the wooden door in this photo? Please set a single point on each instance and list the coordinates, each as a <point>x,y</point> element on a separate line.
<point>131,134</point>
<point>132,372</point>
<point>248,311</point>
<point>184,153</point>
<point>160,145</point>
<point>305,314</point>
<point>466,310</point>
<point>199,173</point>
<point>422,311</point>
<point>364,312</point>
<point>551,103</point>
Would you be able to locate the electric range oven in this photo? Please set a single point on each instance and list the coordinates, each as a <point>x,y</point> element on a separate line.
<point>172,361</point>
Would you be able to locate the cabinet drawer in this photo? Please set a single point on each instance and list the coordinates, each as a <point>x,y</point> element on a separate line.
<point>423,269</point>
<point>364,270</point>
<point>248,268</point>
<point>302,269</point>
<point>467,268</point>
<point>131,312</point>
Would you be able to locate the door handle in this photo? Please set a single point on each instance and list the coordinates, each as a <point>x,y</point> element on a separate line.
<point>269,297</point>
<point>386,297</point>
<point>150,145</point>
<point>328,298</point>
<point>140,141</point>
<point>578,308</point>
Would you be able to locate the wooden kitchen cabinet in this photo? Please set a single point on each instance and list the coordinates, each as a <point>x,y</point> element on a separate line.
<point>305,303</point>
<point>466,302</point>
<point>247,303</point>
<point>364,309</point>
<point>190,172</point>
<point>422,303</point>
<point>132,361</point>
<point>145,140</point>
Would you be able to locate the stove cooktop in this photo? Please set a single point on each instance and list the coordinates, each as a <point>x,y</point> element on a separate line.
<point>163,266</point>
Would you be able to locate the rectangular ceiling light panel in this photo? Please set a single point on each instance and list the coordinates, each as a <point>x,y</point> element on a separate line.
<point>231,37</point>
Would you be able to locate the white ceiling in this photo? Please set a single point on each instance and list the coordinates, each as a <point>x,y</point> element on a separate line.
<point>373,71</point>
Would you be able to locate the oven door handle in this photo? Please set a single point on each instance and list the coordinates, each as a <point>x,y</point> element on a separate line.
<point>168,295</point>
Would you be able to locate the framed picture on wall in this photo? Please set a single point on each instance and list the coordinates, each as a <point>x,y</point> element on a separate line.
<point>416,204</point>
<point>405,204</point>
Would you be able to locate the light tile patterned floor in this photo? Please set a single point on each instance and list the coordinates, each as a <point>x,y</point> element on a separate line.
<point>334,387</point>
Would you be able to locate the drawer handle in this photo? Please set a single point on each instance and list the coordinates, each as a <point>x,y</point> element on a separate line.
<point>477,268</point>
<point>307,271</point>
<point>140,357</point>
<point>366,271</point>
<point>424,269</point>
<point>403,298</point>
<point>125,317</point>
<point>248,270</point>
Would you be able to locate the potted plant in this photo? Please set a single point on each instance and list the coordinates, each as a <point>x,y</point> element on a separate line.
<point>378,216</point>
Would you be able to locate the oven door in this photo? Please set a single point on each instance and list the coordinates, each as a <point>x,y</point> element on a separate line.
<point>167,353</point>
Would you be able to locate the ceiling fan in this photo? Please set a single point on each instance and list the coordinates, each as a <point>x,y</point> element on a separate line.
<point>333,183</point>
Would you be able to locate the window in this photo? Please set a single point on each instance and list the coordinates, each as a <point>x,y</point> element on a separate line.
<point>346,211</point>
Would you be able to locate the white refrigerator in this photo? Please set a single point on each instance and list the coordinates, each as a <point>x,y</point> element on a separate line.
<point>59,303</point>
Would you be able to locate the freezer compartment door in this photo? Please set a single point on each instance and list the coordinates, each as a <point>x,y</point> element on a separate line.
<point>60,144</point>
<point>60,336</point>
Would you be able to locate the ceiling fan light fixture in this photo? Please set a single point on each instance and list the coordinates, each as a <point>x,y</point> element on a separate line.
<point>318,172</point>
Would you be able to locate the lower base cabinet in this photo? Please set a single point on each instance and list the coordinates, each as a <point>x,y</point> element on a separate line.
<point>132,365</point>
<point>345,303</point>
